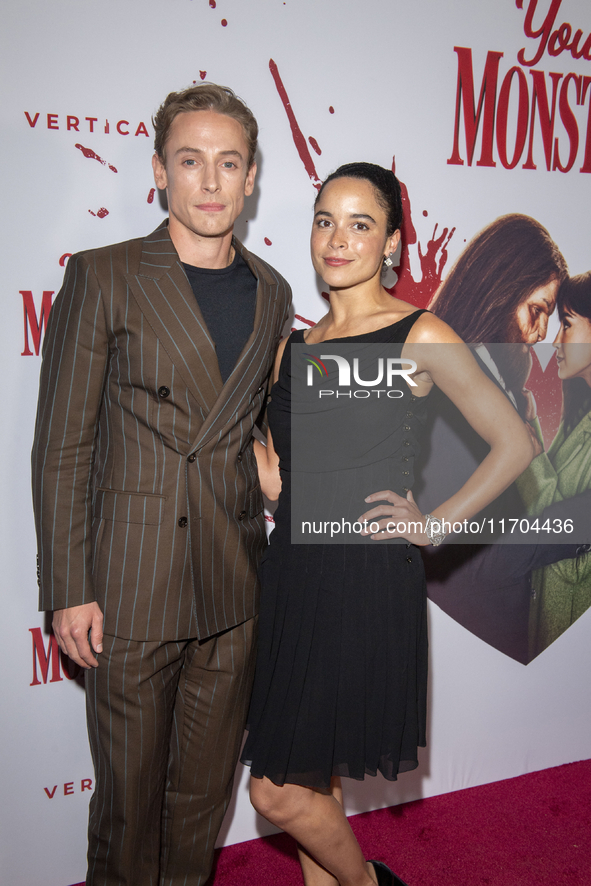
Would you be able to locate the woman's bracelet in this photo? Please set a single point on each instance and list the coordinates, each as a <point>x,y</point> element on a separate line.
<point>433,529</point>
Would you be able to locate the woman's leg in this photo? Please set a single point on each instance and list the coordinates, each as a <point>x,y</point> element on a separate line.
<point>329,852</point>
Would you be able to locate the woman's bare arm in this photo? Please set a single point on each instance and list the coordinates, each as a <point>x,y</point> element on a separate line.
<point>442,359</point>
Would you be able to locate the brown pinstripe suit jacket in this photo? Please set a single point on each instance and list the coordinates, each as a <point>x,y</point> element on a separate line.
<point>145,486</point>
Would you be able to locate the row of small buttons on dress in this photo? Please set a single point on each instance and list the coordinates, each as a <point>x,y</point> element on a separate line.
<point>409,414</point>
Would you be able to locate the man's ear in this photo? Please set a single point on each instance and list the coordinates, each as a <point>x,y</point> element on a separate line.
<point>160,177</point>
<point>249,183</point>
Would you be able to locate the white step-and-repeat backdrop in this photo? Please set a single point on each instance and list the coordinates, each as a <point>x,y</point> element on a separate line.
<point>483,108</point>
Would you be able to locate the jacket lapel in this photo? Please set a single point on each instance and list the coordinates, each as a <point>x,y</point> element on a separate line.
<point>165,297</point>
<point>255,360</point>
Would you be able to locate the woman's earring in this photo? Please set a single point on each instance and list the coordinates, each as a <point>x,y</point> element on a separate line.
<point>388,261</point>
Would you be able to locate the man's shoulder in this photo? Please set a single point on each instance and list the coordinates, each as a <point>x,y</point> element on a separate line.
<point>125,255</point>
<point>262,268</point>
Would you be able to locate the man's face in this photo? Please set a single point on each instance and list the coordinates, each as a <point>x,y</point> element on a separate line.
<point>532,314</point>
<point>206,175</point>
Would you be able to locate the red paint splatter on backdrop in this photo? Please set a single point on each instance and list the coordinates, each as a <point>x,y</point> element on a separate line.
<point>64,258</point>
<point>91,155</point>
<point>224,23</point>
<point>314,144</point>
<point>331,110</point>
<point>433,260</point>
<point>151,195</point>
<point>297,134</point>
<point>268,242</point>
<point>102,212</point>
<point>212,4</point>
<point>202,74</point>
<point>547,390</point>
<point>304,320</point>
<point>425,213</point>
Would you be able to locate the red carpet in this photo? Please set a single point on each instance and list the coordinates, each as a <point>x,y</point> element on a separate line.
<point>533,830</point>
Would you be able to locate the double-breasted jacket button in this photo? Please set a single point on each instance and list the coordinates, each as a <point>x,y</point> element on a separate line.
<point>242,515</point>
<point>163,391</point>
<point>183,522</point>
<point>409,559</point>
<point>239,457</point>
<point>191,457</point>
<point>407,427</point>
<point>406,443</point>
<point>405,473</point>
<point>409,414</point>
<point>405,488</point>
<point>405,458</point>
<point>533,593</point>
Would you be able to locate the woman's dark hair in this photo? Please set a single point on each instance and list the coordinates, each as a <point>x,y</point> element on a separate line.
<point>385,185</point>
<point>574,296</point>
<point>496,272</point>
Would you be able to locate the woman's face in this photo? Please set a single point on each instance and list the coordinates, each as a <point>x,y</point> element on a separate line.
<point>533,313</point>
<point>349,240</point>
<point>573,347</point>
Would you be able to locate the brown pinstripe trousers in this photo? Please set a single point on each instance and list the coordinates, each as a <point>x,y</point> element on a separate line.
<point>195,692</point>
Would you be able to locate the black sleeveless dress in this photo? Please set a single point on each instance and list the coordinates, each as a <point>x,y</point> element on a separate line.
<point>341,675</point>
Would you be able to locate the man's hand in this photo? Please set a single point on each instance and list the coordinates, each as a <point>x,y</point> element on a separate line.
<point>71,627</point>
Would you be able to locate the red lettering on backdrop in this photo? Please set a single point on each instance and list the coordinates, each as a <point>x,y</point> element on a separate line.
<point>141,130</point>
<point>151,195</point>
<point>555,41</point>
<point>86,784</point>
<point>120,124</point>
<point>68,788</point>
<point>49,793</point>
<point>473,115</point>
<point>543,32</point>
<point>43,658</point>
<point>547,117</point>
<point>72,123</point>
<point>586,167</point>
<point>61,665</point>
<point>522,118</point>
<point>64,258</point>
<point>569,122</point>
<point>33,122</point>
<point>31,322</point>
<point>91,121</point>
<point>52,121</point>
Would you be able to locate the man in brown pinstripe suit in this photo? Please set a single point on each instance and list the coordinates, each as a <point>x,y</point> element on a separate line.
<point>147,503</point>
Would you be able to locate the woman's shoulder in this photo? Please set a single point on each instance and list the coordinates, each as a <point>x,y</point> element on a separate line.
<point>429,328</point>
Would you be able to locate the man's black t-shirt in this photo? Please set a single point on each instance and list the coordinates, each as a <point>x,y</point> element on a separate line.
<point>227,298</point>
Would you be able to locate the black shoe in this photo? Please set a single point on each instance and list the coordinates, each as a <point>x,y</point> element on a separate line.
<point>385,876</point>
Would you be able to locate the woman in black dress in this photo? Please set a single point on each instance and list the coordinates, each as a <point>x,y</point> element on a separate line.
<point>340,685</point>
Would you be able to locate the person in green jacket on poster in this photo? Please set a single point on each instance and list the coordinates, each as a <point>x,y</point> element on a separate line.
<point>561,592</point>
